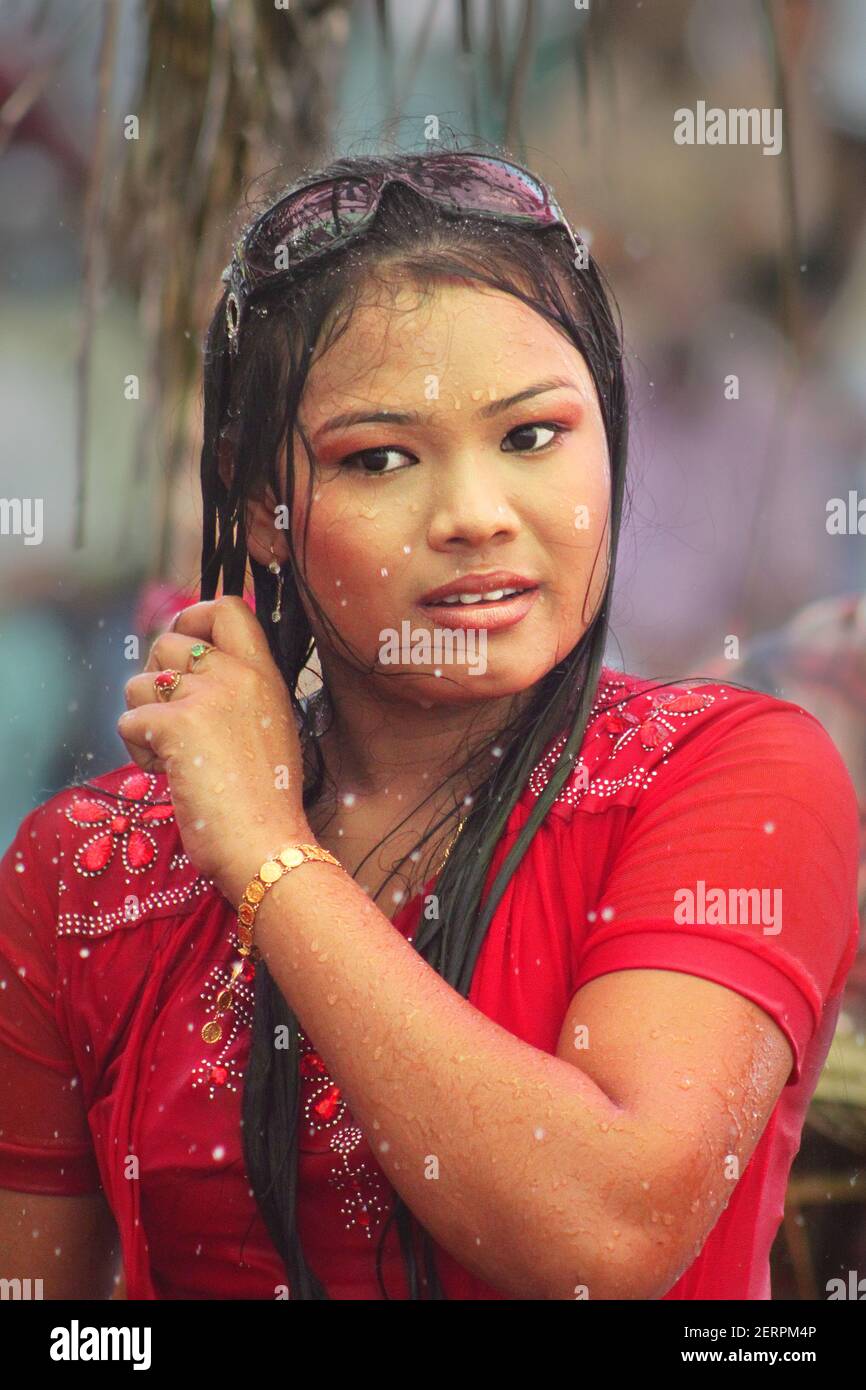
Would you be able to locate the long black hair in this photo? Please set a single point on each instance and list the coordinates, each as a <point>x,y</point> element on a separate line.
<point>250,408</point>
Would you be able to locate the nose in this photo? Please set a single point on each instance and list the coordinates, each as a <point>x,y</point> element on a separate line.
<point>470,508</point>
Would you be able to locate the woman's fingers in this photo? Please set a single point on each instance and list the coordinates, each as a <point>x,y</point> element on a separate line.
<point>134,738</point>
<point>171,651</point>
<point>229,624</point>
<point>140,689</point>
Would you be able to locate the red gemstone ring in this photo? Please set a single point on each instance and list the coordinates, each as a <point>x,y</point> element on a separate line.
<point>165,683</point>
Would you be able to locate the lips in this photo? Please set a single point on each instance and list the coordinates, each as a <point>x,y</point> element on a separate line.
<point>475,590</point>
<point>492,616</point>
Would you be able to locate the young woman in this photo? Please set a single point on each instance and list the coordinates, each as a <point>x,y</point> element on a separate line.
<point>536,1009</point>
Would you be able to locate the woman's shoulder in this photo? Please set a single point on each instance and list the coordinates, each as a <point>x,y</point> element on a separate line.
<point>106,853</point>
<point>644,733</point>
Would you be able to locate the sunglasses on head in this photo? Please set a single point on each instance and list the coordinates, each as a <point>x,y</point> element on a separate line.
<point>331,212</point>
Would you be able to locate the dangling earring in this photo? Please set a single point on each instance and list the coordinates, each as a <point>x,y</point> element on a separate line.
<point>275,568</point>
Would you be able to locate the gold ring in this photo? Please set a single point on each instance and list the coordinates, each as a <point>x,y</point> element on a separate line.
<point>165,683</point>
<point>196,653</point>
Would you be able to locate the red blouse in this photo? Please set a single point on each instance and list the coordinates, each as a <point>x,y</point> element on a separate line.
<point>112,949</point>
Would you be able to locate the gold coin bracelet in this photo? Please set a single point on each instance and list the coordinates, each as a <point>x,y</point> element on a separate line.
<point>270,872</point>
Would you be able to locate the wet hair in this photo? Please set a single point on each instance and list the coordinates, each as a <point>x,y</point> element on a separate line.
<point>250,413</point>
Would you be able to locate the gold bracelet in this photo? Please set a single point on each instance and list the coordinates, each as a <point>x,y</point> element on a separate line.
<point>271,871</point>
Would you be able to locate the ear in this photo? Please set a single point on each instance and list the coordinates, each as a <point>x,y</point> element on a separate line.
<point>262,532</point>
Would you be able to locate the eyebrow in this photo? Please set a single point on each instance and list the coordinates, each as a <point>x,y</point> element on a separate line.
<point>412,417</point>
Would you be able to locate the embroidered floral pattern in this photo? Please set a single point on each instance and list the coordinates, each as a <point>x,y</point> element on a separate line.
<point>364,1201</point>
<point>654,727</point>
<point>126,823</point>
<point>653,719</point>
<point>361,1186</point>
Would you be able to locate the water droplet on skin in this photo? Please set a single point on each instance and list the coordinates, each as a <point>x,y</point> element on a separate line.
<point>685,1082</point>
<point>332,998</point>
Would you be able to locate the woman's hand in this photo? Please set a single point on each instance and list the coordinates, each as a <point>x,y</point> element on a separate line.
<point>226,738</point>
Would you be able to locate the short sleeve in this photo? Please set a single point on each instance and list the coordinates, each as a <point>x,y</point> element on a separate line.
<point>740,866</point>
<point>45,1143</point>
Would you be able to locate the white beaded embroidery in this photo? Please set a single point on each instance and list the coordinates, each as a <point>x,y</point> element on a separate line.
<point>99,923</point>
<point>364,1200</point>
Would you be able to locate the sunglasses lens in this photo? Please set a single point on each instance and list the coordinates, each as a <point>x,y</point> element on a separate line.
<point>307,222</point>
<point>484,185</point>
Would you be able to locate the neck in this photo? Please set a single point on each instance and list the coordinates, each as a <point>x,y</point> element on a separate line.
<point>376,744</point>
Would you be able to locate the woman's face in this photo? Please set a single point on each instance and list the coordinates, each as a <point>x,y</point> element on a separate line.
<point>440,476</point>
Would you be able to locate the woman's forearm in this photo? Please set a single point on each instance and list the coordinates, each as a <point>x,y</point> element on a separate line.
<point>503,1152</point>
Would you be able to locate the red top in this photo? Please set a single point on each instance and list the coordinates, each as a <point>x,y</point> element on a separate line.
<point>112,947</point>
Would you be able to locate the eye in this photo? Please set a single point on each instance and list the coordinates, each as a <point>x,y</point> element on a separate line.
<point>378,457</point>
<point>524,446</point>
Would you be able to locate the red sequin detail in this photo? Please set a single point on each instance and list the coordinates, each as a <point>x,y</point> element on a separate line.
<point>312,1064</point>
<point>326,1108</point>
<point>653,734</point>
<point>218,1075</point>
<point>89,812</point>
<point>654,727</point>
<point>136,786</point>
<point>140,850</point>
<point>124,826</point>
<point>96,855</point>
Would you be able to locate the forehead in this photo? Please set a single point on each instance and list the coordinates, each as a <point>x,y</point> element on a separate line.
<point>473,339</point>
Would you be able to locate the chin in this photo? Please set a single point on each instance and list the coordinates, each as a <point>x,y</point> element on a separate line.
<point>459,687</point>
